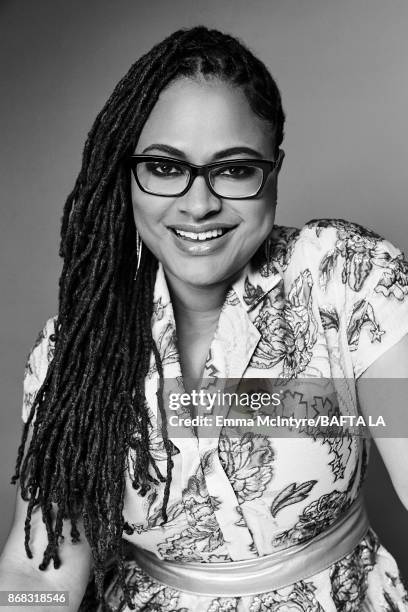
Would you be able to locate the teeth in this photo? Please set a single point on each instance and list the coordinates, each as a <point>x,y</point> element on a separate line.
<point>201,235</point>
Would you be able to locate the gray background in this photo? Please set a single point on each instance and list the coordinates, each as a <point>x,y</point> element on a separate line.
<point>342,69</point>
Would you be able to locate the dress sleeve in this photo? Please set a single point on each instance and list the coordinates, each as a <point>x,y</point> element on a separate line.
<point>36,367</point>
<point>375,274</point>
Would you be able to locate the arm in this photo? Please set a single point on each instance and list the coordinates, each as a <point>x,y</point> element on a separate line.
<point>18,572</point>
<point>379,396</point>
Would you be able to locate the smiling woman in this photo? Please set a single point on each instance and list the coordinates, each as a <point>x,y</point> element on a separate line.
<point>176,273</point>
<point>204,121</point>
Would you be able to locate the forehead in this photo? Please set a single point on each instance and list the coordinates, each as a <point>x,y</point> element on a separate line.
<point>200,117</point>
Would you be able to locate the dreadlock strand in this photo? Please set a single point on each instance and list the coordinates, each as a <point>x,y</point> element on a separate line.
<point>166,441</point>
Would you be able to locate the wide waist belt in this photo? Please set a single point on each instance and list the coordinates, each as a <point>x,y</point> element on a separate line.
<point>262,574</point>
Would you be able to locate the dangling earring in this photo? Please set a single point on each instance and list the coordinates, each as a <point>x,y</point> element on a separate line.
<point>268,247</point>
<point>139,245</point>
<point>268,252</point>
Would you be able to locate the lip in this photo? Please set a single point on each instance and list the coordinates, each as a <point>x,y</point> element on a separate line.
<point>204,247</point>
<point>203,227</point>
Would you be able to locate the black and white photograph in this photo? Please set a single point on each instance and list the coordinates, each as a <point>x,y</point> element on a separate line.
<point>204,314</point>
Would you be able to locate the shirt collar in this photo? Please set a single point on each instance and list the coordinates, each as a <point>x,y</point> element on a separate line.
<point>260,276</point>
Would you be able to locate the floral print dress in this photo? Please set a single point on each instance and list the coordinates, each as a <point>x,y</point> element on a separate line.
<point>331,300</point>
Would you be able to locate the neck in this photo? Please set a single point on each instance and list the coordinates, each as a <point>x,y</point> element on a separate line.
<point>194,304</point>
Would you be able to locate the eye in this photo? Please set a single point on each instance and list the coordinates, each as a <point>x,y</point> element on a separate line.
<point>164,169</point>
<point>237,172</point>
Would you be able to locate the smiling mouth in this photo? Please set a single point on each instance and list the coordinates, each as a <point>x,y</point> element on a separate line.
<point>201,236</point>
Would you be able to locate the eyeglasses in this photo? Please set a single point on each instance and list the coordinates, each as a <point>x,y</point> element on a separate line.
<point>237,179</point>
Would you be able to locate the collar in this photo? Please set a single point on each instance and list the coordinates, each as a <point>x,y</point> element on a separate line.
<point>255,282</point>
<point>263,272</point>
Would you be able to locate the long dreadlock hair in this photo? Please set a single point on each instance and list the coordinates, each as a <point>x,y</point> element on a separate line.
<point>91,408</point>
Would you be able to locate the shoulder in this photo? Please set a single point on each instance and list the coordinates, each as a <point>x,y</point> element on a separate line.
<point>338,233</point>
<point>319,239</point>
<point>330,226</point>
<point>337,253</point>
<point>318,233</point>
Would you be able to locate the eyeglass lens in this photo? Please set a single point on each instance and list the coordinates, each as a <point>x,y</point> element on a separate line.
<point>169,178</point>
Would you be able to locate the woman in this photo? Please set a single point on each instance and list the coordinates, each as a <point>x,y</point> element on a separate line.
<point>187,150</point>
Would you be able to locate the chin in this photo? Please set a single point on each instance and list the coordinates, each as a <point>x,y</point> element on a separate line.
<point>202,278</point>
<point>202,274</point>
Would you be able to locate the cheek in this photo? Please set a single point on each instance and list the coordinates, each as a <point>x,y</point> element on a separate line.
<point>147,213</point>
<point>260,219</point>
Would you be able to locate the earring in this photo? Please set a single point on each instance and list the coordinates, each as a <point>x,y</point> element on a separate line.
<point>268,252</point>
<point>139,245</point>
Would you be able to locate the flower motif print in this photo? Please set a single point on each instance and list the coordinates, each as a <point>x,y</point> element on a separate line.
<point>252,294</point>
<point>283,242</point>
<point>223,604</point>
<point>231,298</point>
<point>349,575</point>
<point>299,597</point>
<point>315,518</point>
<point>248,463</point>
<point>203,534</point>
<point>146,594</point>
<point>358,248</point>
<point>276,252</point>
<point>288,328</point>
<point>319,225</point>
<point>394,281</point>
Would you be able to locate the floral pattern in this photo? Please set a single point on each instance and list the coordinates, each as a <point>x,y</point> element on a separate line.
<point>316,517</point>
<point>299,598</point>
<point>203,534</point>
<point>349,576</point>
<point>223,604</point>
<point>357,247</point>
<point>248,463</point>
<point>145,596</point>
<point>282,244</point>
<point>288,328</point>
<point>320,308</point>
<point>394,281</point>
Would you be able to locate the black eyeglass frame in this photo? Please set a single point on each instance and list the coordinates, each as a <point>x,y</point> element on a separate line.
<point>267,166</point>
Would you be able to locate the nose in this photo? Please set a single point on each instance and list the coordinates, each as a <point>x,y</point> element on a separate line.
<point>199,202</point>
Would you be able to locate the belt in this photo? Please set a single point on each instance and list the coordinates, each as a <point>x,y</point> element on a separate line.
<point>267,573</point>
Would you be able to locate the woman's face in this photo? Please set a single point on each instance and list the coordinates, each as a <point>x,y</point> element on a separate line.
<point>202,122</point>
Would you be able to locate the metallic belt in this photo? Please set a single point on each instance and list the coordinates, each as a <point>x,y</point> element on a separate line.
<point>268,573</point>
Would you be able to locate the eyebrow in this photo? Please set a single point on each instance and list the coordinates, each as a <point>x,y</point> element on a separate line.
<point>224,153</point>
